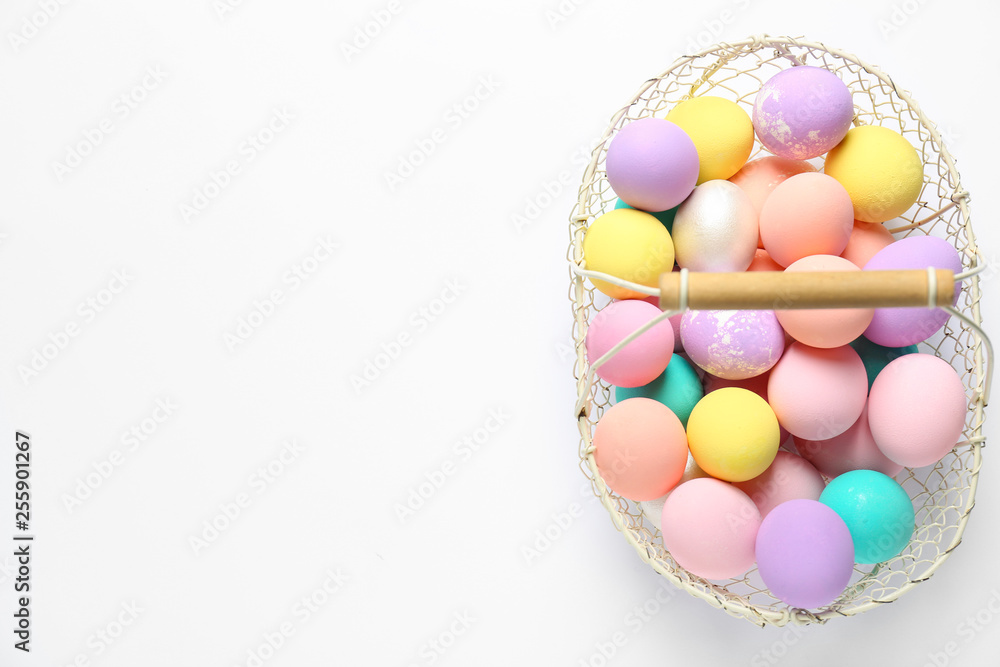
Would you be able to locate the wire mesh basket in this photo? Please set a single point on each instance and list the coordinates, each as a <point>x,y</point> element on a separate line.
<point>943,495</point>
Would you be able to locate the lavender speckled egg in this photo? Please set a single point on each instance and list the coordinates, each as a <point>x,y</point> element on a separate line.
<point>899,327</point>
<point>715,229</point>
<point>733,344</point>
<point>652,164</point>
<point>802,112</point>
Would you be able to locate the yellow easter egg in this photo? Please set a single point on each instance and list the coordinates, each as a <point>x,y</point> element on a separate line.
<point>880,169</point>
<point>733,434</point>
<point>721,131</point>
<point>628,244</point>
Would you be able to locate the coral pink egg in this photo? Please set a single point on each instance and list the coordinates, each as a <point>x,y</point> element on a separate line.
<point>642,360</point>
<point>763,262</point>
<point>640,448</point>
<point>867,238</point>
<point>808,214</point>
<point>710,528</point>
<point>759,177</point>
<point>854,449</point>
<point>824,327</point>
<point>917,409</point>
<point>818,393</point>
<point>787,478</point>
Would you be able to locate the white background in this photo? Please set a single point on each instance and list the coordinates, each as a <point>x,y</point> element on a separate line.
<point>499,345</point>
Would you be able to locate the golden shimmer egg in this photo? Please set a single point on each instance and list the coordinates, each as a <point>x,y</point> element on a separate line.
<point>715,229</point>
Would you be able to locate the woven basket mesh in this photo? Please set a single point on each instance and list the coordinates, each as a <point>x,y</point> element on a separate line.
<point>943,495</point>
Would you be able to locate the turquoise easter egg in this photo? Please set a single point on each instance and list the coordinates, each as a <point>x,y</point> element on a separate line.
<point>666,217</point>
<point>678,388</point>
<point>877,511</point>
<point>876,357</point>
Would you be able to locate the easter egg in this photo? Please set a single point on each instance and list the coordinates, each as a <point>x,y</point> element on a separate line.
<point>877,511</point>
<point>805,554</point>
<point>733,434</point>
<point>875,357</point>
<point>628,244</point>
<point>807,214</point>
<point>759,177</point>
<point>721,131</point>
<point>824,327</point>
<point>666,218</point>
<point>854,449</point>
<point>898,327</point>
<point>817,393</point>
<point>788,477</point>
<point>653,509</point>
<point>643,359</point>
<point>757,384</point>
<point>710,528</point>
<point>715,229</point>
<point>652,164</point>
<point>763,262</point>
<point>881,171</point>
<point>802,112</point>
<point>678,388</point>
<point>917,409</point>
<point>640,448</point>
<point>867,238</point>
<point>732,344</point>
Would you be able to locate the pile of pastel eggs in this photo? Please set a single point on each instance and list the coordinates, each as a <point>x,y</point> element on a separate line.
<point>768,438</point>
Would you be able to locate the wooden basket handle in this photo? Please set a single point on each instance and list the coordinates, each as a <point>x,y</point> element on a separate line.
<point>775,290</point>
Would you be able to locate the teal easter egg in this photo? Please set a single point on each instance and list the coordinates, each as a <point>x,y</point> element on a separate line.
<point>678,388</point>
<point>666,217</point>
<point>877,511</point>
<point>876,357</point>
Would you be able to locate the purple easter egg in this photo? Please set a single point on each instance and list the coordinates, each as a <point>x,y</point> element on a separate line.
<point>899,327</point>
<point>805,553</point>
<point>652,164</point>
<point>733,344</point>
<point>802,112</point>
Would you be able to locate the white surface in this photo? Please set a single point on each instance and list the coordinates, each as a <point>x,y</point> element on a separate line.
<point>500,347</point>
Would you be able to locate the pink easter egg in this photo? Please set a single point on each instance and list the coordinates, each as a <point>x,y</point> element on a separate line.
<point>854,449</point>
<point>710,528</point>
<point>642,360</point>
<point>917,409</point>
<point>788,477</point>
<point>818,393</point>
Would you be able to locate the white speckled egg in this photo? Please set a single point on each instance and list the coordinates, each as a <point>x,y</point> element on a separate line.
<point>715,228</point>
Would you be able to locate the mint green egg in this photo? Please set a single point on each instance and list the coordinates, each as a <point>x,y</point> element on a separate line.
<point>877,511</point>
<point>666,217</point>
<point>678,388</point>
<point>876,357</point>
